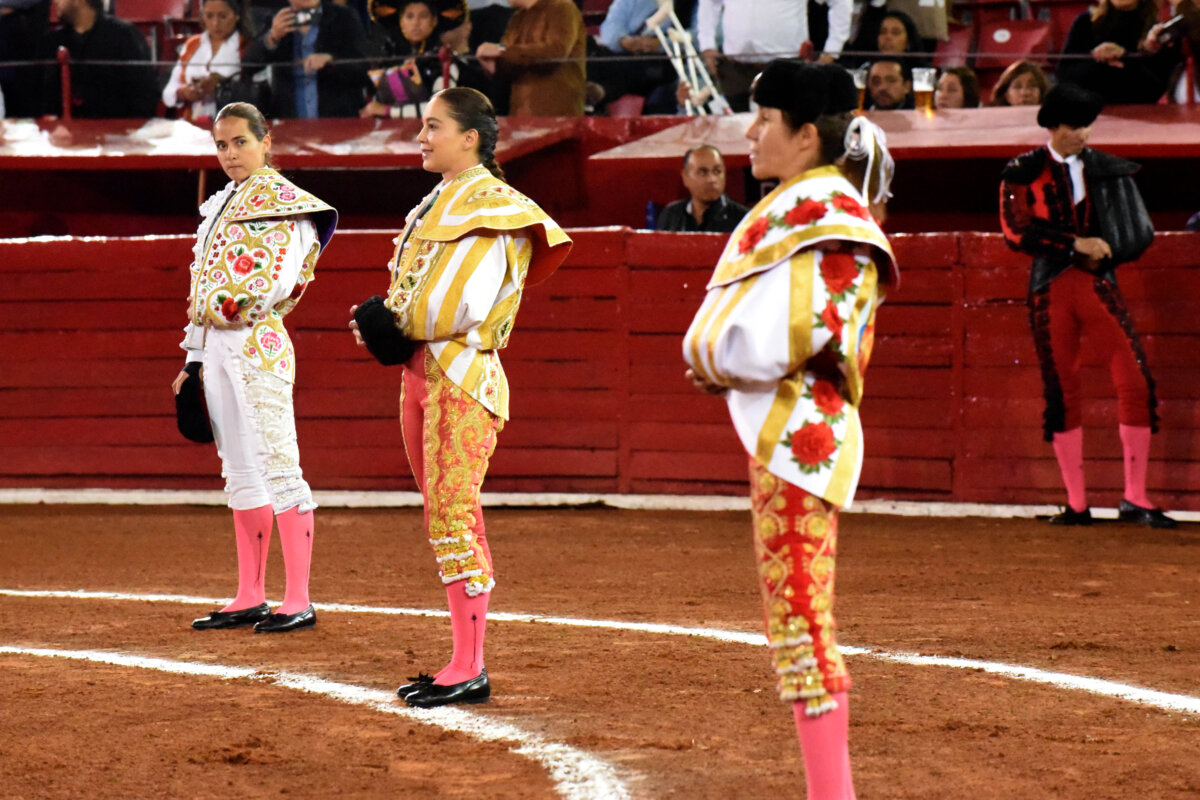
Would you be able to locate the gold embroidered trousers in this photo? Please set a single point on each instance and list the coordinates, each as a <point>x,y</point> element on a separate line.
<point>795,541</point>
<point>449,437</point>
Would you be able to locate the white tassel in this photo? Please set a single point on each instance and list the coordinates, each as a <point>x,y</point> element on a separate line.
<point>862,136</point>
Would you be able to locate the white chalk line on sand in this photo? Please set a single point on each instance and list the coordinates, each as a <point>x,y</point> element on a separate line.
<point>637,502</point>
<point>576,774</point>
<point>1166,701</point>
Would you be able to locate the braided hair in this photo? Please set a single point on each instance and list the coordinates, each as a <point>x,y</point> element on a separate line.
<point>472,110</point>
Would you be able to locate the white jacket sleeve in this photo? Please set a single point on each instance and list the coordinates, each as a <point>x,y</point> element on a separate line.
<point>708,13</point>
<point>840,12</point>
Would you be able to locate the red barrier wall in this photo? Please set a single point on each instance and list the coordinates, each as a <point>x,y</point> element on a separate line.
<point>88,345</point>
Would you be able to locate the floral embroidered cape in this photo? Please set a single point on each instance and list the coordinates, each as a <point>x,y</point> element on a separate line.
<point>255,255</point>
<point>788,326</point>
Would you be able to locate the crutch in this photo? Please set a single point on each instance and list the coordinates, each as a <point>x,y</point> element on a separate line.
<point>677,44</point>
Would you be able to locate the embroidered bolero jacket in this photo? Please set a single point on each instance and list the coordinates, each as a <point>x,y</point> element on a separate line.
<point>255,254</point>
<point>787,325</point>
<point>459,272</point>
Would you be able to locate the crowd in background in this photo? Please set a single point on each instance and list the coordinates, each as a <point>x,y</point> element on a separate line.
<point>325,58</point>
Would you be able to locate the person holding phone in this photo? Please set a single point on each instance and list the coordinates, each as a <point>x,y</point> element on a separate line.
<point>305,44</point>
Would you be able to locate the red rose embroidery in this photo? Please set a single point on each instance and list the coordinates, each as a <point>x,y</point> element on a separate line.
<point>826,396</point>
<point>805,213</point>
<point>287,195</point>
<point>243,264</point>
<point>813,444</point>
<point>832,320</point>
<point>838,271</point>
<point>229,308</point>
<point>753,234</point>
<point>844,202</point>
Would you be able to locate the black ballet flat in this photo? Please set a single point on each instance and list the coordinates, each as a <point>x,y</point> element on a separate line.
<point>416,684</point>
<point>232,619</point>
<point>476,690</point>
<point>282,623</point>
<point>1150,517</point>
<point>1070,516</point>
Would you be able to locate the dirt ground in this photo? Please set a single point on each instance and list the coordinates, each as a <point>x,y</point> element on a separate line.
<point>676,716</point>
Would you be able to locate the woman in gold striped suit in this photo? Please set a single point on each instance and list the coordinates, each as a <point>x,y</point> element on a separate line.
<point>458,274</point>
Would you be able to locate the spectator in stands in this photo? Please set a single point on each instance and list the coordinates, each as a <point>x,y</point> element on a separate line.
<point>958,87</point>
<point>542,56</point>
<point>890,32</point>
<point>707,209</point>
<point>889,85</point>
<point>1127,64</point>
<point>754,33</point>
<point>304,45</point>
<point>1172,36</point>
<point>206,59</point>
<point>1021,84</point>
<point>612,73</point>
<point>426,26</point>
<point>23,23</point>
<point>98,91</point>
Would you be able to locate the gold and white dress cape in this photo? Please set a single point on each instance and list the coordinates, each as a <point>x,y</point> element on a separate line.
<point>459,272</point>
<point>255,254</point>
<point>788,324</point>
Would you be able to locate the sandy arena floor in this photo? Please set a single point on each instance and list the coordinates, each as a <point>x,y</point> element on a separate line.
<point>650,714</point>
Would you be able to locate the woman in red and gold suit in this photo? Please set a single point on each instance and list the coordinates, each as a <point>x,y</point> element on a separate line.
<point>785,333</point>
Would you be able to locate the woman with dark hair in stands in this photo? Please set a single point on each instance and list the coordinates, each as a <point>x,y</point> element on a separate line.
<point>1127,63</point>
<point>785,333</point>
<point>1021,84</point>
<point>889,32</point>
<point>255,253</point>
<point>458,273</point>
<point>426,28</point>
<point>208,58</point>
<point>958,87</point>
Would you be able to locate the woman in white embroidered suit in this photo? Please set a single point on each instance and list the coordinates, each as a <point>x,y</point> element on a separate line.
<point>255,253</point>
<point>785,333</point>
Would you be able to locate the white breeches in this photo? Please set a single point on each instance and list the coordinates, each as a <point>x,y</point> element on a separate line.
<point>254,427</point>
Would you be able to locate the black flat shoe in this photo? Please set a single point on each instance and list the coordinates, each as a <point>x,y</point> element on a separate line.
<point>416,684</point>
<point>282,623</point>
<point>1151,517</point>
<point>232,619</point>
<point>1070,516</point>
<point>476,690</point>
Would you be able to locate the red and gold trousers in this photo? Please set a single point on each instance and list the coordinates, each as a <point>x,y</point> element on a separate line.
<point>795,541</point>
<point>449,437</point>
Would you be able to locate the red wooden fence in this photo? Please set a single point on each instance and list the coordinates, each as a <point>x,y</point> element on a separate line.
<point>88,345</point>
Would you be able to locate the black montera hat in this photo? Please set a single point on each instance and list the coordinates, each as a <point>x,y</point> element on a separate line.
<point>797,87</point>
<point>1069,104</point>
<point>191,413</point>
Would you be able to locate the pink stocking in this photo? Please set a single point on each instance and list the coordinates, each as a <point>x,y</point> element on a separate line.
<point>1135,440</point>
<point>295,534</point>
<point>252,529</point>
<point>824,742</point>
<point>1068,448</point>
<point>468,622</point>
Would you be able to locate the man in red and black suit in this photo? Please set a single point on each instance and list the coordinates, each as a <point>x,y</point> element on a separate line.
<point>1045,211</point>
